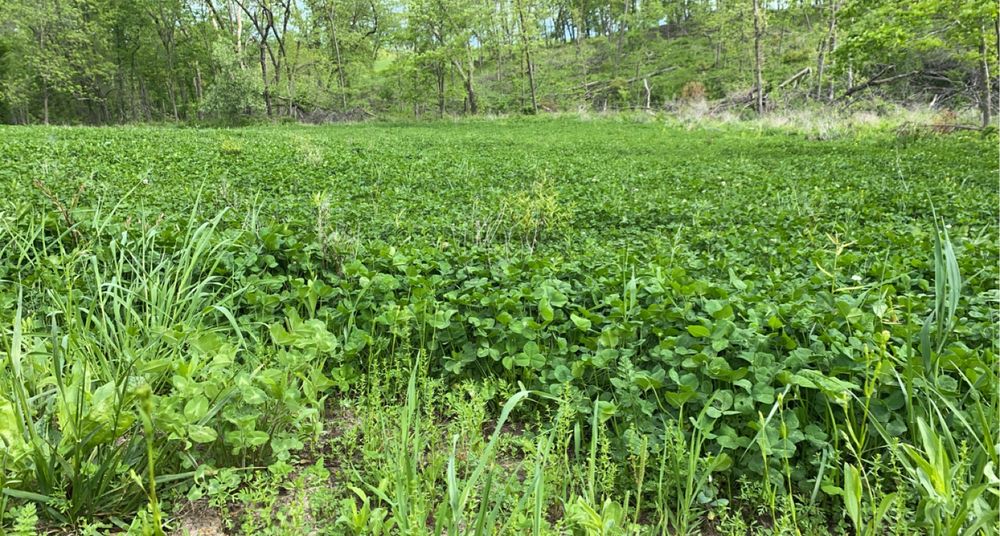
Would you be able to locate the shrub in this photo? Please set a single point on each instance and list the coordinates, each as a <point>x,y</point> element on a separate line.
<point>236,92</point>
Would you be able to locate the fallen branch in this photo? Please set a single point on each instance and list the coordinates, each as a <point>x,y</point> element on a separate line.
<point>939,127</point>
<point>598,83</point>
<point>953,126</point>
<point>796,77</point>
<point>877,82</point>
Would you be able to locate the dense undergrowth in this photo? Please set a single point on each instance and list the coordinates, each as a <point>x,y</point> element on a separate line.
<point>540,326</point>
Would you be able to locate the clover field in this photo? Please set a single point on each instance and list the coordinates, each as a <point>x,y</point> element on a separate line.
<point>534,326</point>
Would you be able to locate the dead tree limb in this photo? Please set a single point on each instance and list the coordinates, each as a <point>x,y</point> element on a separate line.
<point>877,82</point>
<point>599,83</point>
<point>796,77</point>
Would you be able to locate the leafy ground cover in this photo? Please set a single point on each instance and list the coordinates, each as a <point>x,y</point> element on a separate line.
<point>514,326</point>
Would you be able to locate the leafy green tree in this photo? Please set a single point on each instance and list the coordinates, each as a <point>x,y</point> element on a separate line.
<point>451,29</point>
<point>101,61</point>
<point>49,59</point>
<point>931,44</point>
<point>352,36</point>
<point>236,92</point>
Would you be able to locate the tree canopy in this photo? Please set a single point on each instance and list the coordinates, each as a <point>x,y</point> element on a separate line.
<point>114,61</point>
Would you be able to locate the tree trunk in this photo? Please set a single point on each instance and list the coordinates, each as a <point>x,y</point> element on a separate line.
<point>120,101</point>
<point>145,99</point>
<point>416,92</point>
<point>265,49</point>
<point>527,57</point>
<point>132,107</point>
<point>239,37</point>
<point>45,81</point>
<point>45,102</point>
<point>440,88</point>
<point>833,46</point>
<point>165,31</point>
<point>290,74</point>
<point>197,81</point>
<point>621,35</point>
<point>286,15</point>
<point>468,81</point>
<point>581,26</point>
<point>471,92</point>
<point>826,47</point>
<point>340,64</point>
<point>741,65</point>
<point>263,76</point>
<point>758,31</point>
<point>986,101</point>
<point>172,94</point>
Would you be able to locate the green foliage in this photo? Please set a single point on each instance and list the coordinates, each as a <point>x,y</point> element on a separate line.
<point>113,61</point>
<point>933,39</point>
<point>666,329</point>
<point>236,91</point>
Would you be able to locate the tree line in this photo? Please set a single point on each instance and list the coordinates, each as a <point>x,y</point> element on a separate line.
<point>117,61</point>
